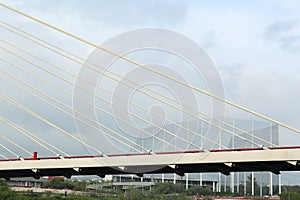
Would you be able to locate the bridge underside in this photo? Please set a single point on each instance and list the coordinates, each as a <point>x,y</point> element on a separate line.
<point>274,167</point>
<point>273,160</point>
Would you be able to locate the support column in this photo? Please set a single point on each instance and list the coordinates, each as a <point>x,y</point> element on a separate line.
<point>271,183</point>
<point>219,185</point>
<point>245,184</point>
<point>225,185</point>
<point>252,184</point>
<point>238,182</point>
<point>201,179</point>
<point>279,184</point>
<point>142,180</point>
<point>174,179</point>
<point>232,182</point>
<point>187,181</point>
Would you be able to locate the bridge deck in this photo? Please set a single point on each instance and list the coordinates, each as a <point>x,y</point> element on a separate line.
<point>224,161</point>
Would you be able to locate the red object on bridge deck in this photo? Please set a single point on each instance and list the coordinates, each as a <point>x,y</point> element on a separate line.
<point>35,155</point>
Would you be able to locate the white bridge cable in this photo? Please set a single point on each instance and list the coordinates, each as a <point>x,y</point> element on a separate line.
<point>36,39</point>
<point>59,88</point>
<point>32,137</point>
<point>125,78</point>
<point>48,122</point>
<point>3,156</point>
<point>147,110</point>
<point>100,124</point>
<point>68,107</point>
<point>243,131</point>
<point>150,69</point>
<point>103,99</point>
<point>176,124</point>
<point>9,150</point>
<point>96,128</point>
<point>15,144</point>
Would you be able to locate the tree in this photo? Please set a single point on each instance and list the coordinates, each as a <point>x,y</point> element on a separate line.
<point>58,183</point>
<point>6,192</point>
<point>79,185</point>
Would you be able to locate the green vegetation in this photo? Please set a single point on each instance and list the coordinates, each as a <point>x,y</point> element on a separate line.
<point>290,196</point>
<point>168,188</point>
<point>7,194</point>
<point>198,190</point>
<point>290,192</point>
<point>60,183</point>
<point>161,191</point>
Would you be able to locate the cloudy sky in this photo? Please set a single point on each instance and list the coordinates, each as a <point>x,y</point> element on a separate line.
<point>255,45</point>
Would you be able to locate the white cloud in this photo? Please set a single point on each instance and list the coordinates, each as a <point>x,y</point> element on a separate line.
<point>286,33</point>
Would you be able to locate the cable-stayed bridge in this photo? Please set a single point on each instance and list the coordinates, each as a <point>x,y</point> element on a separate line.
<point>180,148</point>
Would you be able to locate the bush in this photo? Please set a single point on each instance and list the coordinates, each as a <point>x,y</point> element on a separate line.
<point>60,183</point>
<point>290,196</point>
<point>168,188</point>
<point>6,192</point>
<point>200,190</point>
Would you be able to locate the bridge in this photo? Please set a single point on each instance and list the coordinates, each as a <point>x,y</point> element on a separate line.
<point>157,149</point>
<point>224,161</point>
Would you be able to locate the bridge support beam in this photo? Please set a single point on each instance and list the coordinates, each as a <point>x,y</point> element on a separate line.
<point>274,160</point>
